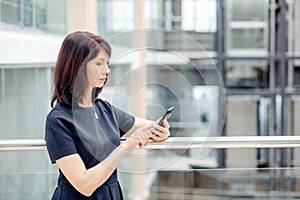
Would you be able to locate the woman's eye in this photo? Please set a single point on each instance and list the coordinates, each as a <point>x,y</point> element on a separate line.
<point>101,64</point>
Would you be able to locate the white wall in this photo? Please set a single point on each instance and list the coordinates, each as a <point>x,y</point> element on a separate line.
<point>22,48</point>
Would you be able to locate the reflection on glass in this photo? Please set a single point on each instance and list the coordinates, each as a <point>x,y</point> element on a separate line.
<point>245,10</point>
<point>46,15</point>
<point>199,16</point>
<point>247,74</point>
<point>28,13</point>
<point>242,184</point>
<point>10,12</point>
<point>153,10</point>
<point>40,14</point>
<point>248,24</point>
<point>247,39</point>
<point>25,102</point>
<point>296,76</point>
<point>297,26</point>
<point>26,175</point>
<point>122,15</point>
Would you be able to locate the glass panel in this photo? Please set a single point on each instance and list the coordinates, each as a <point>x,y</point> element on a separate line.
<point>51,16</point>
<point>25,103</point>
<point>23,186</point>
<point>122,15</point>
<point>297,27</point>
<point>295,64</point>
<point>199,16</point>
<point>154,13</point>
<point>248,39</point>
<point>40,14</point>
<point>248,24</point>
<point>247,74</point>
<point>175,174</point>
<point>269,183</point>
<point>293,28</point>
<point>10,12</point>
<point>56,16</point>
<point>28,13</point>
<point>231,184</point>
<point>115,16</point>
<point>183,87</point>
<point>46,15</point>
<point>188,15</point>
<point>26,175</point>
<point>245,10</point>
<point>190,41</point>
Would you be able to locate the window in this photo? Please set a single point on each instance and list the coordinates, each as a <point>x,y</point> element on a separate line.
<point>46,15</point>
<point>247,26</point>
<point>24,90</point>
<point>122,15</point>
<point>199,15</point>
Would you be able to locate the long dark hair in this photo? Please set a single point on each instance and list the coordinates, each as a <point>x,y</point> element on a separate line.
<point>77,49</point>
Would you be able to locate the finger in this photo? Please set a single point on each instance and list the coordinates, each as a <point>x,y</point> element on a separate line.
<point>145,134</point>
<point>160,128</point>
<point>166,124</point>
<point>156,132</point>
<point>161,132</point>
<point>158,138</point>
<point>155,137</point>
<point>143,143</point>
<point>156,126</point>
<point>143,138</point>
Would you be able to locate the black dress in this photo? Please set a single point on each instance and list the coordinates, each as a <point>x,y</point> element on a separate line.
<point>77,131</point>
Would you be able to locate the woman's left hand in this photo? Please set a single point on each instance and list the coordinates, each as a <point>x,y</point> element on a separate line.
<point>159,133</point>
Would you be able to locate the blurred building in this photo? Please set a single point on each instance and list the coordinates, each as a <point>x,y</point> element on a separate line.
<point>230,68</point>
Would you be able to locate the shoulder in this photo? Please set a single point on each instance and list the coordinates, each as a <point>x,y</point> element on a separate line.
<point>59,112</point>
<point>105,105</point>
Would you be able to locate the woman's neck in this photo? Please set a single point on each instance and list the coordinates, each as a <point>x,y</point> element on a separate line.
<point>87,100</point>
<point>85,104</point>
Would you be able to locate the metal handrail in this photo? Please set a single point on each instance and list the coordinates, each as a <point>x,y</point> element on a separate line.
<point>179,143</point>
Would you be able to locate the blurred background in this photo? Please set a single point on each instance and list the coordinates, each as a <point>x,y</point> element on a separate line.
<point>229,67</point>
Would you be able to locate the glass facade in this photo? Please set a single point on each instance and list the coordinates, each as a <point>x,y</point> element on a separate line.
<point>255,48</point>
<point>25,94</point>
<point>247,74</point>
<point>41,15</point>
<point>24,103</point>
<point>247,25</point>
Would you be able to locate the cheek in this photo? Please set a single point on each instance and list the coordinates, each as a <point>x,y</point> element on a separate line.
<point>91,75</point>
<point>92,71</point>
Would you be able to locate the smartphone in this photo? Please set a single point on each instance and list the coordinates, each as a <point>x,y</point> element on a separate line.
<point>165,116</point>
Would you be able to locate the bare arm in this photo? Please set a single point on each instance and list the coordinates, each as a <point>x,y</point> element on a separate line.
<point>83,180</point>
<point>138,123</point>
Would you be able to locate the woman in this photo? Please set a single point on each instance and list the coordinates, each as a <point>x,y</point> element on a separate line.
<point>82,131</point>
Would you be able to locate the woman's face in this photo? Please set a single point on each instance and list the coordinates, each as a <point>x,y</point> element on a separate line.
<point>98,70</point>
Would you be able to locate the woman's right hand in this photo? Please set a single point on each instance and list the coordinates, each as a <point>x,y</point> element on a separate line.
<point>140,137</point>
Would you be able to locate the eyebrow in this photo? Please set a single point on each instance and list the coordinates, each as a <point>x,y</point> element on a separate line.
<point>100,58</point>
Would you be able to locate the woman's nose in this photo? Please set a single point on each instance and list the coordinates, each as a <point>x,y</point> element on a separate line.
<point>106,70</point>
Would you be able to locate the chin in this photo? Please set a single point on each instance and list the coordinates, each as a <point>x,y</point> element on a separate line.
<point>100,85</point>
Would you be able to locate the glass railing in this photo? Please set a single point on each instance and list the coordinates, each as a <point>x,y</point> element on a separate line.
<point>206,184</point>
<point>163,171</point>
<point>27,185</point>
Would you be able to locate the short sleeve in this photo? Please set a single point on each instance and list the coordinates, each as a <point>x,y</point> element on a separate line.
<point>125,120</point>
<point>58,137</point>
